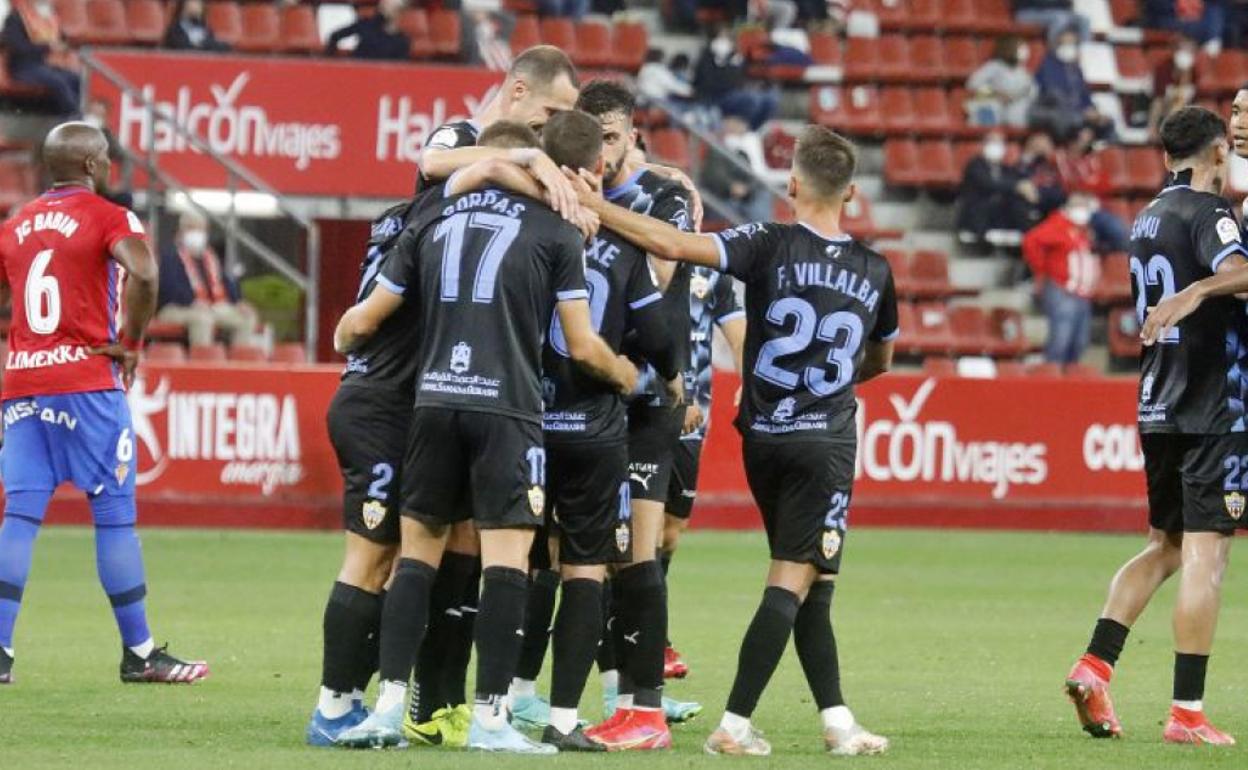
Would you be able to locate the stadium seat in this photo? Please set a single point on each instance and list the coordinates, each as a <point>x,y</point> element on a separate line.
<point>890,13</point>
<point>1114,161</point>
<point>962,57</point>
<point>1132,66</point>
<point>940,366</point>
<point>1045,369</point>
<point>72,16</point>
<point>560,33</point>
<point>333,16</point>
<point>298,30</point>
<point>963,152</point>
<point>899,263</point>
<point>932,111</point>
<point>993,17</point>
<point>752,42</point>
<point>165,353</point>
<point>415,24</point>
<point>444,30</point>
<point>1011,369</point>
<point>922,15</point>
<point>1005,327</point>
<point>908,326</point>
<point>862,60</point>
<point>225,20</point>
<point>146,21</point>
<point>166,332</point>
<point>1145,169</point>
<point>927,59</point>
<point>969,326</point>
<point>901,163</point>
<point>214,353</point>
<point>857,220</point>
<point>825,49</point>
<point>1115,284</point>
<point>289,353</point>
<point>852,109</point>
<point>1082,370</point>
<point>261,29</point>
<point>526,34</point>
<point>671,146</point>
<point>932,333</point>
<point>1125,12</point>
<point>897,110</point>
<point>629,42</point>
<point>893,58</point>
<point>247,354</point>
<point>958,16</point>
<point>936,164</point>
<point>1121,208</point>
<point>930,271</point>
<point>1124,333</point>
<point>17,182</point>
<point>593,44</point>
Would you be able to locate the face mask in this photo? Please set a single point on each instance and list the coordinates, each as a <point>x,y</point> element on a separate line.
<point>1079,215</point>
<point>1184,59</point>
<point>1067,52</point>
<point>43,9</point>
<point>994,151</point>
<point>1024,55</point>
<point>721,48</point>
<point>195,241</point>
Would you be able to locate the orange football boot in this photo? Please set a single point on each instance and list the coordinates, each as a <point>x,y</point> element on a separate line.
<point>1088,688</point>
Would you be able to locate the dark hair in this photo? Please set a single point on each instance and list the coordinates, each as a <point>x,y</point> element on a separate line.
<point>1006,48</point>
<point>604,97</point>
<point>679,62</point>
<point>641,142</point>
<point>509,135</point>
<point>573,138</point>
<point>542,65</point>
<point>654,55</point>
<point>825,160</point>
<point>1189,130</point>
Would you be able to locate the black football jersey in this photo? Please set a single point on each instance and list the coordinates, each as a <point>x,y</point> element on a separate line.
<point>448,136</point>
<point>646,192</point>
<point>487,268</point>
<point>712,302</point>
<point>1190,381</point>
<point>811,304</point>
<point>388,359</point>
<point>622,297</point>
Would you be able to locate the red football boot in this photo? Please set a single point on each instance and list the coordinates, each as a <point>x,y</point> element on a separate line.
<point>620,716</point>
<point>1088,688</point>
<point>673,665</point>
<point>1187,726</point>
<point>642,730</point>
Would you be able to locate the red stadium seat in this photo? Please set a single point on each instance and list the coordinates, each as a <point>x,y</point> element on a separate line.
<point>1145,169</point>
<point>166,332</point>
<point>299,33</point>
<point>932,111</point>
<point>593,44</point>
<point>247,354</point>
<point>993,17</point>
<point>927,59</point>
<point>146,21</point>
<point>962,57</point>
<point>908,325</point>
<point>852,109</point>
<point>630,41</point>
<point>1045,369</point>
<point>958,16</point>
<point>106,23</point>
<point>1083,371</point>
<point>225,20</point>
<point>1005,327</point>
<point>165,353</point>
<point>923,15</point>
<point>527,33</point>
<point>940,366</point>
<point>963,152</point>
<point>1114,161</point>
<point>752,42</point>
<point>1115,285</point>
<point>444,30</point>
<point>415,24</point>
<point>930,272</point>
<point>1121,208</point>
<point>1229,71</point>
<point>899,263</point>
<point>261,29</point>
<point>214,353</point>
<point>1124,333</point>
<point>901,163</point>
<point>1011,369</point>
<point>1125,12</point>
<point>856,220</point>
<point>560,33</point>
<point>671,146</point>
<point>890,13</point>
<point>1131,62</point>
<point>862,60</point>
<point>936,164</point>
<point>897,110</point>
<point>72,16</point>
<point>893,58</point>
<point>289,353</point>
<point>969,325</point>
<point>825,49</point>
<point>932,332</point>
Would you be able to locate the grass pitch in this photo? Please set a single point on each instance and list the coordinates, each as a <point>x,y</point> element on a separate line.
<point>953,644</point>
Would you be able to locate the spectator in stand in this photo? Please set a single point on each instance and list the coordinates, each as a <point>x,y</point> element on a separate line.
<point>33,44</point>
<point>188,32</point>
<point>1003,85</point>
<point>1042,188</point>
<point>378,36</point>
<point>1065,101</point>
<point>1066,273</point>
<point>118,190</point>
<point>658,83</point>
<point>1054,15</point>
<point>773,14</point>
<point>1202,20</point>
<point>1083,172</point>
<point>992,193</point>
<point>1174,83</point>
<point>573,9</point>
<point>734,182</point>
<point>196,291</point>
<point>720,81</point>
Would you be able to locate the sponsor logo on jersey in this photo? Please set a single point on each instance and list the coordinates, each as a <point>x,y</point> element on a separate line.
<point>784,410</point>
<point>39,359</point>
<point>830,543</point>
<point>1234,505</point>
<point>1228,230</point>
<point>461,358</point>
<point>537,499</point>
<point>22,409</point>
<point>642,473</point>
<point>373,512</point>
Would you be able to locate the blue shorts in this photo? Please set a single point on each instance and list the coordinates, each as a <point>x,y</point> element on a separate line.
<point>84,438</point>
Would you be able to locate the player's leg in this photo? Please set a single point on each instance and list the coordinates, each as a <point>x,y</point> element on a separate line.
<point>1132,587</point>
<point>528,709</point>
<point>681,493</point>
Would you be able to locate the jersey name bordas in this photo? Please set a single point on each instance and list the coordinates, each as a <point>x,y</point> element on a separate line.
<point>811,305</point>
<point>622,298</point>
<point>712,302</point>
<point>1190,381</point>
<point>487,268</point>
<point>56,257</point>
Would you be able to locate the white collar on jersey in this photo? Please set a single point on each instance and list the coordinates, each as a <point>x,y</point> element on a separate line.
<point>835,238</point>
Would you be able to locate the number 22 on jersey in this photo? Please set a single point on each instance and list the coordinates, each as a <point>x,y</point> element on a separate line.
<point>1157,272</point>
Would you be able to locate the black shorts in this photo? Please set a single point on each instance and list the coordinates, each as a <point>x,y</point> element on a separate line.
<point>588,502</point>
<point>474,465</point>
<point>368,428</point>
<point>653,432</point>
<point>802,489</point>
<point>682,490</point>
<point>1196,483</point>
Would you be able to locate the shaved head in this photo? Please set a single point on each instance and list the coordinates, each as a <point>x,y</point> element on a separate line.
<point>77,152</point>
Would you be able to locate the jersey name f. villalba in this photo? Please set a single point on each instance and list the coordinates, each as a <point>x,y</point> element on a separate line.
<point>1190,381</point>
<point>56,257</point>
<point>811,305</point>
<point>488,267</point>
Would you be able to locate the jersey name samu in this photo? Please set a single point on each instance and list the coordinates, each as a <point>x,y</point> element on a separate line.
<point>645,192</point>
<point>487,268</point>
<point>1190,381</point>
<point>712,302</point>
<point>622,297</point>
<point>811,304</point>
<point>56,257</point>
<point>448,136</point>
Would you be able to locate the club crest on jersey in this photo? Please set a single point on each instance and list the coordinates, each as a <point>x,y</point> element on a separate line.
<point>1228,230</point>
<point>123,470</point>
<point>537,499</point>
<point>1234,505</point>
<point>548,391</point>
<point>830,543</point>
<point>373,512</point>
<point>1146,388</point>
<point>784,409</point>
<point>623,536</point>
<point>461,357</point>
<point>699,286</point>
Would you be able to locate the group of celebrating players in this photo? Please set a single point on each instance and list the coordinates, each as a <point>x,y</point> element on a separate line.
<point>547,303</point>
<point>546,297</point>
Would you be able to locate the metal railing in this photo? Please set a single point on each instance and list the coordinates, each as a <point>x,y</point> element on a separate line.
<point>161,182</point>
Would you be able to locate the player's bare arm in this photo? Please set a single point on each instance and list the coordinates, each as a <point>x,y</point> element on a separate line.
<point>681,178</point>
<point>142,280</point>
<point>877,359</point>
<point>1231,278</point>
<point>440,164</point>
<point>514,173</point>
<point>590,351</point>
<point>657,238</point>
<point>361,321</point>
<point>734,333</point>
